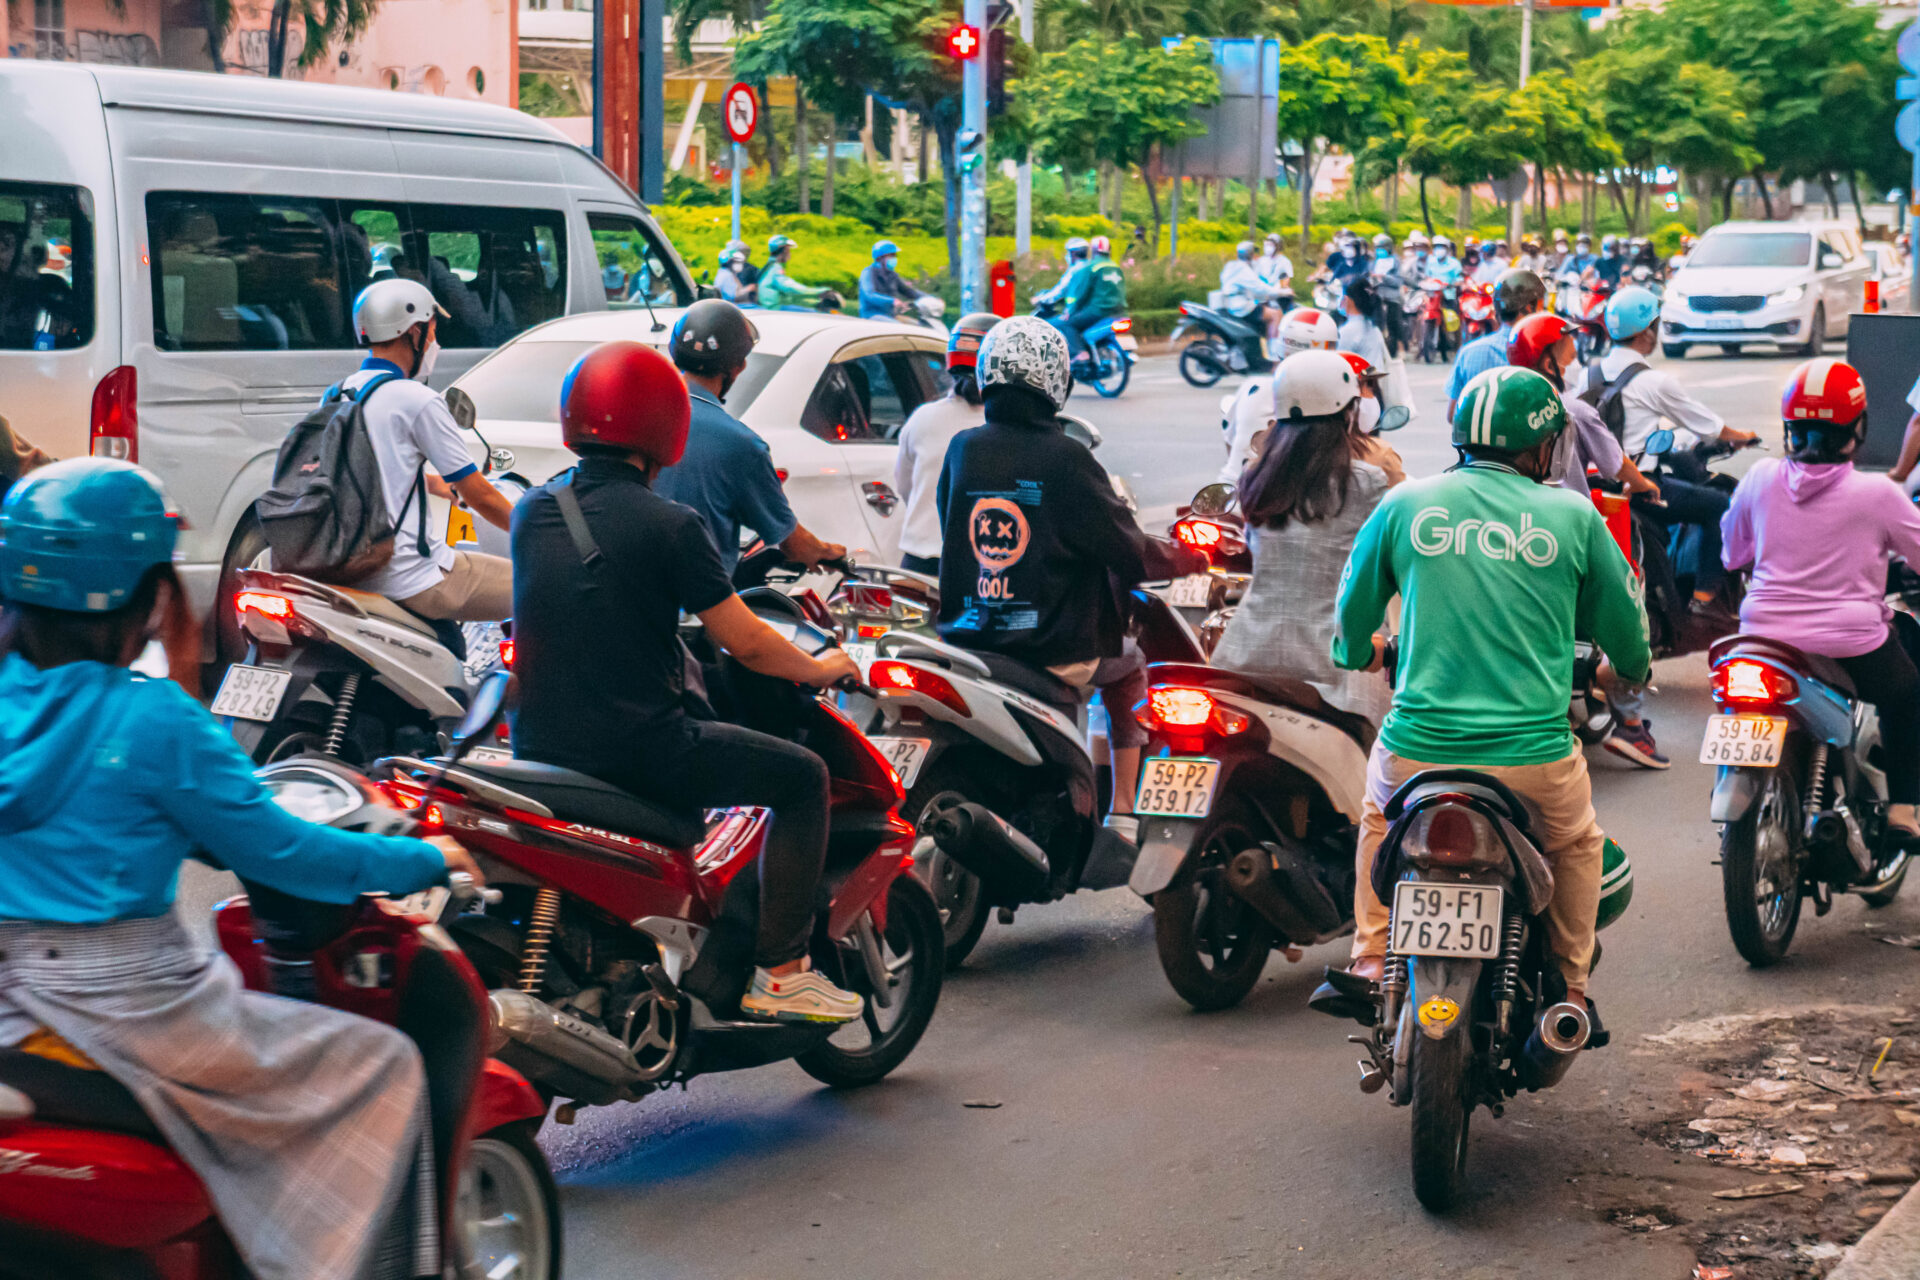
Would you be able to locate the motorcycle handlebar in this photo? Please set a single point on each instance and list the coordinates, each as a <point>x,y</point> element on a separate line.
<point>860,687</point>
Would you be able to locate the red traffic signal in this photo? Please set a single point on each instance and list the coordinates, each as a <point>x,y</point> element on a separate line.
<point>964,41</point>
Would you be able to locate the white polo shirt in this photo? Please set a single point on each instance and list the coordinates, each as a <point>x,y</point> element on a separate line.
<point>1652,396</point>
<point>410,424</point>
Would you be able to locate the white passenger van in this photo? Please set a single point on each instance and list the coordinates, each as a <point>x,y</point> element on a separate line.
<point>179,254</point>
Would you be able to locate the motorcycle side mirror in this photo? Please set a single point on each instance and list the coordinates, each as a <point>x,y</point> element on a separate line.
<point>1660,442</point>
<point>461,405</point>
<point>1214,500</point>
<point>1393,417</point>
<point>484,713</point>
<point>1078,428</point>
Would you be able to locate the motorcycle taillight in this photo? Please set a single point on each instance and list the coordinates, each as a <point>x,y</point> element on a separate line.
<point>1449,834</point>
<point>1744,682</point>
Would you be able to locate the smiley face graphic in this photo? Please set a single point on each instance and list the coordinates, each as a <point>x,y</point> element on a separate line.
<point>999,533</point>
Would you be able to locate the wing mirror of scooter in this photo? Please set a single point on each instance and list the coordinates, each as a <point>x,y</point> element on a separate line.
<point>1214,500</point>
<point>1078,428</point>
<point>1659,442</point>
<point>461,406</point>
<point>1392,418</point>
<point>484,713</point>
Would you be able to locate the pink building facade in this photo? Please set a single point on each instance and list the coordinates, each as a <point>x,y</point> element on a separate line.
<point>451,48</point>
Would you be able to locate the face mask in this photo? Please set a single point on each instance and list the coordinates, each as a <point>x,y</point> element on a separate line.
<point>1369,414</point>
<point>890,262</point>
<point>427,360</point>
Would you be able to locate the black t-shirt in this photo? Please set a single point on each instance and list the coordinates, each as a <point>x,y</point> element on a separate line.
<point>597,650</point>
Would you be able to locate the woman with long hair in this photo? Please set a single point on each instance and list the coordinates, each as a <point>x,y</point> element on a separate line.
<point>306,1125</point>
<point>1312,484</point>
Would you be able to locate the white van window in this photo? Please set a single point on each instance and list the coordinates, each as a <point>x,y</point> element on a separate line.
<point>246,273</point>
<point>1752,249</point>
<point>498,272</point>
<point>633,267</point>
<point>46,267</point>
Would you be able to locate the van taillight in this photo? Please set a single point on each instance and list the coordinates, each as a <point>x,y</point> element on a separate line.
<point>115,429</point>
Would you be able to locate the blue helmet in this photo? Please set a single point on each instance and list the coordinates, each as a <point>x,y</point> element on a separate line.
<point>881,248</point>
<point>1631,311</point>
<point>79,535</point>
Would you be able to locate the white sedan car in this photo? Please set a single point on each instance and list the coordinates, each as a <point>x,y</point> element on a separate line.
<point>827,393</point>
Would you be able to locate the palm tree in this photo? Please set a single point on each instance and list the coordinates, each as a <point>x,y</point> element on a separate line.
<point>324,23</point>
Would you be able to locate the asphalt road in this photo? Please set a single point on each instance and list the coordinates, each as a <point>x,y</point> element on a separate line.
<point>1129,1137</point>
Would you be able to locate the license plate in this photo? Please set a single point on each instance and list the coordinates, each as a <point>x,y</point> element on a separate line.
<point>1177,787</point>
<point>1748,741</point>
<point>1459,921</point>
<point>906,755</point>
<point>1723,322</point>
<point>1128,342</point>
<point>861,652</point>
<point>1190,592</point>
<point>460,526</point>
<point>251,693</point>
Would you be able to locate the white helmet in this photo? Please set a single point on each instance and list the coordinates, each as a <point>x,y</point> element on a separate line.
<point>1417,240</point>
<point>1313,384</point>
<point>1447,241</point>
<point>386,309</point>
<point>1026,351</point>
<point>1308,329</point>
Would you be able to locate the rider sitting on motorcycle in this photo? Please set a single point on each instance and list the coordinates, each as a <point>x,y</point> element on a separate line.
<point>727,474</point>
<point>778,289</point>
<point>1303,329</point>
<point>883,294</point>
<point>1516,295</point>
<point>305,1124</point>
<point>1273,264</point>
<point>1498,570</point>
<point>923,445</point>
<point>1095,293</point>
<point>1633,322</point>
<point>1245,294</point>
<point>1039,555</point>
<point>1318,476</point>
<point>604,677</point>
<point>1048,300</point>
<point>1818,534</point>
<point>736,278</point>
<point>1442,265</point>
<point>1545,343</point>
<point>1605,268</point>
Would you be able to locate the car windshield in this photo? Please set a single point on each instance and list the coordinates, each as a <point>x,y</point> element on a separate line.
<point>521,381</point>
<point>1753,249</point>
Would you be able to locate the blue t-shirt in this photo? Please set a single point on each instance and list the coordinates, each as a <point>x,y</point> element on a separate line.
<point>727,476</point>
<point>1483,353</point>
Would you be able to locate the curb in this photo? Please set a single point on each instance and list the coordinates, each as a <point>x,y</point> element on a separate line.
<point>1891,1250</point>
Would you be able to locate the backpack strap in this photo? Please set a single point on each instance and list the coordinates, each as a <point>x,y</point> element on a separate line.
<point>1610,396</point>
<point>576,521</point>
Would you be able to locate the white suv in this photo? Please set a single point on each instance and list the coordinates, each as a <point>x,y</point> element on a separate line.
<point>1790,283</point>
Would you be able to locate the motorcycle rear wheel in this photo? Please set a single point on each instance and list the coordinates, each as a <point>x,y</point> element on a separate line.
<point>912,951</point>
<point>1760,878</point>
<point>1108,355</point>
<point>507,1217</point>
<point>1441,1110</point>
<point>1213,946</point>
<point>1203,363</point>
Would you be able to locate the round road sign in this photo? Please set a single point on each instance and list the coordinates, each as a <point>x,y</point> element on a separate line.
<point>1908,47</point>
<point>742,110</point>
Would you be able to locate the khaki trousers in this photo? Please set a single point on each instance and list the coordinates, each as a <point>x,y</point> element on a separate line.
<point>1571,840</point>
<point>479,588</point>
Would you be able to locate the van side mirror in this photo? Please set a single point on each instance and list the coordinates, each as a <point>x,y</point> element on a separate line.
<point>1829,261</point>
<point>461,406</point>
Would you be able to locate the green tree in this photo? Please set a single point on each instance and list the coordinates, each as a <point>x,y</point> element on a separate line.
<point>1466,130</point>
<point>1567,137</point>
<point>1117,101</point>
<point>1663,108</point>
<point>1346,91</point>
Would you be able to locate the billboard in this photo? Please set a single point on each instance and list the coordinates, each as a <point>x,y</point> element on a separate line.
<point>1241,129</point>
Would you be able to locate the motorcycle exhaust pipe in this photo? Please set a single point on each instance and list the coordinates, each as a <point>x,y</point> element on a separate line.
<point>555,1048</point>
<point>1559,1035</point>
<point>990,847</point>
<point>1254,880</point>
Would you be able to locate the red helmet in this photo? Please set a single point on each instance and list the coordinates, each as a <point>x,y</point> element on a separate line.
<point>1534,336</point>
<point>626,396</point>
<point>1362,367</point>
<point>1826,390</point>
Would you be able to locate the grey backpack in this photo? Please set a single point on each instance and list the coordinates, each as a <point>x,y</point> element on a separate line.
<point>326,515</point>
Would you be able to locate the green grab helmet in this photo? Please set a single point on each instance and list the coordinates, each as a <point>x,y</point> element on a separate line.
<point>1616,884</point>
<point>1508,409</point>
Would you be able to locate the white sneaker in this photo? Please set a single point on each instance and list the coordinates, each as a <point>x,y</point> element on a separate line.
<point>800,997</point>
<point>1124,825</point>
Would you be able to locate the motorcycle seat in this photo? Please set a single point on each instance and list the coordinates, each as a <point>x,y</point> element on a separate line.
<point>1297,694</point>
<point>376,605</point>
<point>1030,680</point>
<point>68,1095</point>
<point>581,798</point>
<point>1819,666</point>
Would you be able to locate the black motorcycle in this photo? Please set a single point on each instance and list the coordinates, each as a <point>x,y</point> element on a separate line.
<point>1668,557</point>
<point>1226,345</point>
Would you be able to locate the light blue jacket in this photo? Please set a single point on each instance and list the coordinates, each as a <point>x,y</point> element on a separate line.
<point>108,780</point>
<point>1074,283</point>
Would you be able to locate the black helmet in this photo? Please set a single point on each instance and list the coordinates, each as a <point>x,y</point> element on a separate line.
<point>712,338</point>
<point>1517,293</point>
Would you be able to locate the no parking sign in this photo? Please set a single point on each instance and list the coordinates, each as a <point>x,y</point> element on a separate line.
<point>742,109</point>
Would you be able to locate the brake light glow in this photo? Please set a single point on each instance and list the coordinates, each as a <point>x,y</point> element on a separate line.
<point>891,676</point>
<point>1123,325</point>
<point>871,630</point>
<point>1745,682</point>
<point>506,653</point>
<point>114,430</point>
<point>1202,535</point>
<point>1184,711</point>
<point>264,603</point>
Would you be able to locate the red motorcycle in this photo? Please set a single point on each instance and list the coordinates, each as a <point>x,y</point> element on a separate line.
<point>609,900</point>
<point>99,1194</point>
<point>1591,335</point>
<point>1476,312</point>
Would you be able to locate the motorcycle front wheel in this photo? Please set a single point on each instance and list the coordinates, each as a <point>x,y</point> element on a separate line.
<point>1212,943</point>
<point>1203,363</point>
<point>866,1050</point>
<point>1111,370</point>
<point>507,1217</point>
<point>1441,1108</point>
<point>1760,872</point>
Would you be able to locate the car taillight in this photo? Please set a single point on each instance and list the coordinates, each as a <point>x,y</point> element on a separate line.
<point>1743,682</point>
<point>506,653</point>
<point>890,675</point>
<point>1183,712</point>
<point>264,603</point>
<point>1449,834</point>
<point>114,431</point>
<point>1123,325</point>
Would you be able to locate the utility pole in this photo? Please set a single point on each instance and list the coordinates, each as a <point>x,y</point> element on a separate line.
<point>971,155</point>
<point>1023,181</point>
<point>1526,69</point>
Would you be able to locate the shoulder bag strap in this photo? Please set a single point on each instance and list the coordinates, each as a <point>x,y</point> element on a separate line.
<point>576,520</point>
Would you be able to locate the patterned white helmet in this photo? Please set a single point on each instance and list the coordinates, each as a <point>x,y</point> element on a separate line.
<point>1308,329</point>
<point>1026,351</point>
<point>386,309</point>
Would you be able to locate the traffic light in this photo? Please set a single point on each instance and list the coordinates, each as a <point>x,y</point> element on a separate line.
<point>963,41</point>
<point>970,149</point>
<point>996,71</point>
